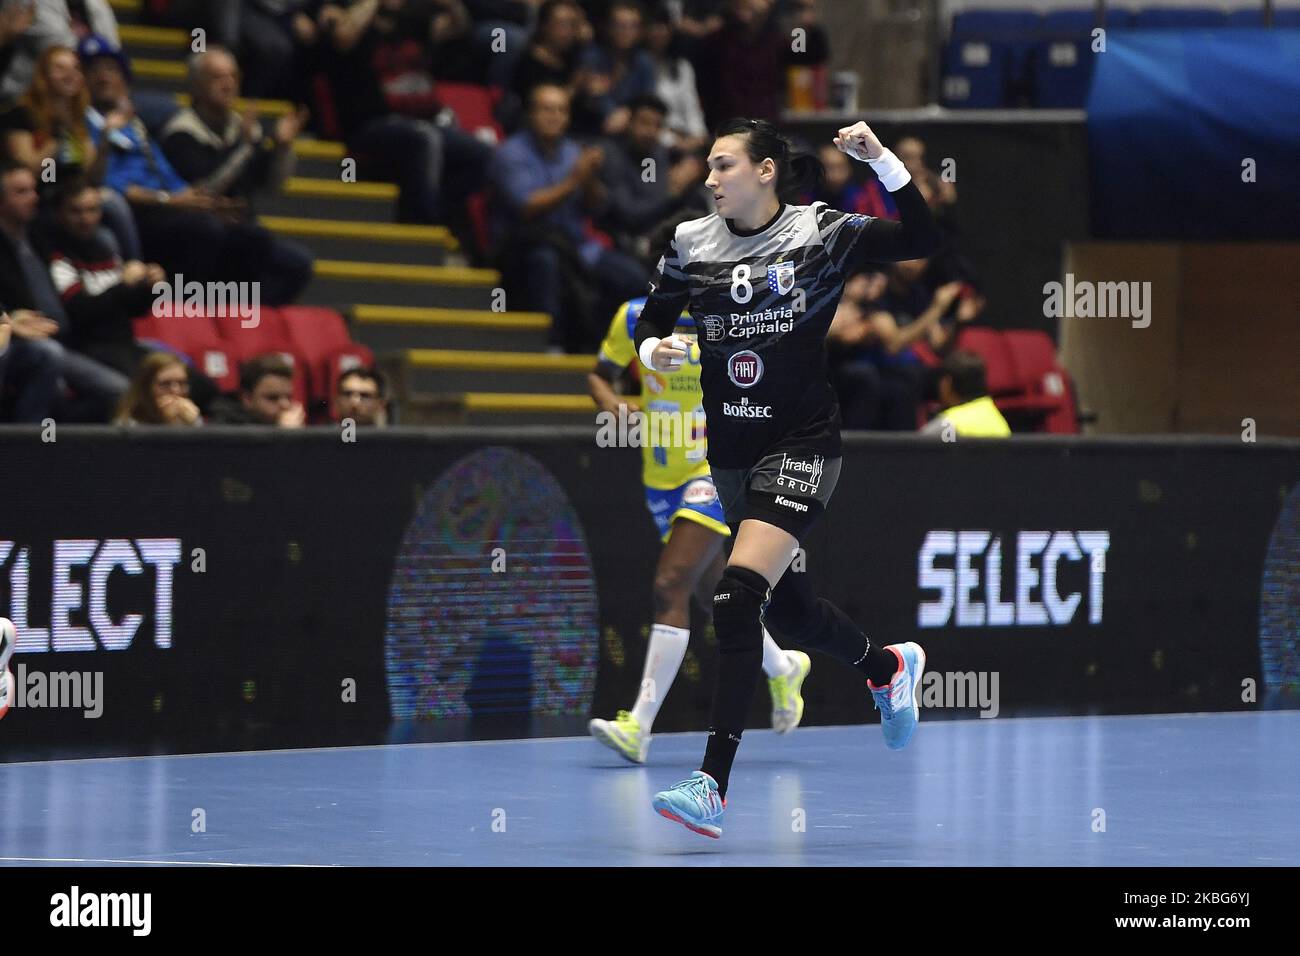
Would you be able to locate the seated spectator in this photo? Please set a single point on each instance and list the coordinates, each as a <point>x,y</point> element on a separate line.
<point>159,394</point>
<point>50,124</point>
<point>512,19</point>
<point>684,127</point>
<point>29,371</point>
<point>879,377</point>
<point>939,193</point>
<point>100,293</point>
<point>637,203</point>
<point>39,320</point>
<point>264,34</point>
<point>613,72</point>
<point>361,396</point>
<point>31,29</point>
<point>189,231</point>
<point>436,166</point>
<point>543,183</point>
<point>225,154</point>
<point>967,408</point>
<point>839,191</point>
<point>552,55</point>
<point>265,396</point>
<point>740,66</point>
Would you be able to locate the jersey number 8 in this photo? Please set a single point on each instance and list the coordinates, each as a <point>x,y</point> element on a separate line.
<point>741,290</point>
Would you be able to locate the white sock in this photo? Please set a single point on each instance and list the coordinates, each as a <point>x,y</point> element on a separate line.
<point>776,663</point>
<point>662,659</point>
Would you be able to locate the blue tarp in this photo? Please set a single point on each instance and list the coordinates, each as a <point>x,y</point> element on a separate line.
<point>1173,115</point>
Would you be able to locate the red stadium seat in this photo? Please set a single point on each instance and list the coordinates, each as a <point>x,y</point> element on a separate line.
<point>473,106</point>
<point>1046,385</point>
<point>268,335</point>
<point>197,338</point>
<point>320,336</point>
<point>999,363</point>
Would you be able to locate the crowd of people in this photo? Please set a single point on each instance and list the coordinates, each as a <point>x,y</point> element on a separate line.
<point>605,108</point>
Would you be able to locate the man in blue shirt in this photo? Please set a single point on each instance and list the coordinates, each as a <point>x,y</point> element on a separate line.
<point>544,185</point>
<point>207,238</point>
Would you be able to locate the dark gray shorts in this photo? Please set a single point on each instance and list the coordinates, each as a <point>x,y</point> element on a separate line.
<point>788,489</point>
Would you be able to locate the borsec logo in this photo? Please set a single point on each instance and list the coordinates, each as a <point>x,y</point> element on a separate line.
<point>714,328</point>
<point>745,369</point>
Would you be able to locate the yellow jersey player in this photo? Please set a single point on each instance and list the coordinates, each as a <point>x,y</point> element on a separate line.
<point>681,497</point>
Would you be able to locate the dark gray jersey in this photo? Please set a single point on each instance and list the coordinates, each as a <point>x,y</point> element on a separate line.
<point>762,303</point>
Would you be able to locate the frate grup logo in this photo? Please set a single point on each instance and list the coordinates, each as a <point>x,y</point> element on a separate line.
<point>745,369</point>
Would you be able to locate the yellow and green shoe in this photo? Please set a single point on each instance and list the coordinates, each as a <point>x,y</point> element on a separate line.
<point>787,702</point>
<point>622,735</point>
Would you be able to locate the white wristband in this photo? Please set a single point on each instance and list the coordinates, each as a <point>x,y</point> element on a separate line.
<point>891,172</point>
<point>647,347</point>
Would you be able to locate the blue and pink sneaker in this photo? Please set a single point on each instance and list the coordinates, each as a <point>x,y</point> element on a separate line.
<point>694,803</point>
<point>899,701</point>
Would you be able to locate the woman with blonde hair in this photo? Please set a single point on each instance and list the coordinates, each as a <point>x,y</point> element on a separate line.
<point>159,394</point>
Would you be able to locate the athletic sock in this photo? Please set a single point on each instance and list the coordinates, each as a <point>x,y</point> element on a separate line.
<point>880,665</point>
<point>662,659</point>
<point>776,662</point>
<point>719,755</point>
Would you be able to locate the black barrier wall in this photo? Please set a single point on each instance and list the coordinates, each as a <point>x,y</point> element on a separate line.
<point>241,588</point>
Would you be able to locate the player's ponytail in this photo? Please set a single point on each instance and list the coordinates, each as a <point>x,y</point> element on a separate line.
<point>797,173</point>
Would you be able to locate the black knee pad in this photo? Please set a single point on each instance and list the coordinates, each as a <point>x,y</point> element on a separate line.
<point>793,613</point>
<point>737,608</point>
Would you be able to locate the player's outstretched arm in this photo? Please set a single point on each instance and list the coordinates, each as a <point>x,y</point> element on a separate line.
<point>914,235</point>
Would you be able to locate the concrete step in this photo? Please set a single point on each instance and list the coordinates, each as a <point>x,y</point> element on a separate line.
<point>385,328</point>
<point>496,408</point>
<point>359,240</point>
<point>340,283</point>
<point>482,370</point>
<point>160,42</point>
<point>160,74</point>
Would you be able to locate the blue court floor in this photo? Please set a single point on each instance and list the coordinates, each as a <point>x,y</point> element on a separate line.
<point>1207,790</point>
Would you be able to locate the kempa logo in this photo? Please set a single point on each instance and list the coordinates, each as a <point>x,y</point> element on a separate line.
<point>1104,300</point>
<point>73,690</point>
<point>797,506</point>
<point>181,299</point>
<point>75,909</point>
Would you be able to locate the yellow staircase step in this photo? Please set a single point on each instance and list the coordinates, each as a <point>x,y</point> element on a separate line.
<point>263,107</point>
<point>371,231</point>
<point>126,6</point>
<point>337,189</point>
<point>482,361</point>
<point>156,37</point>
<point>460,318</point>
<point>506,402</point>
<point>318,149</point>
<point>397,272</point>
<point>158,69</point>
